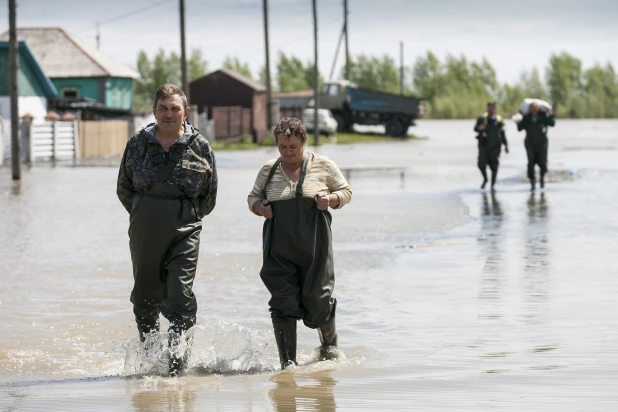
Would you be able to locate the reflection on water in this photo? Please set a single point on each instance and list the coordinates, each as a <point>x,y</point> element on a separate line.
<point>176,400</point>
<point>490,242</point>
<point>527,290</point>
<point>536,258</point>
<point>303,391</point>
<point>16,188</point>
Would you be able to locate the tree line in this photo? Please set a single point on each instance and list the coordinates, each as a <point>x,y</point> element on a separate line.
<point>454,88</point>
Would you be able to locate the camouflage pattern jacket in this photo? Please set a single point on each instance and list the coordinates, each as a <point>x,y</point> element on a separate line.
<point>195,174</point>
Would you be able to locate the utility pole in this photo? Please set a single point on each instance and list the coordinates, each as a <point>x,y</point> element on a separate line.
<point>332,70</point>
<point>316,95</point>
<point>347,51</point>
<point>269,117</point>
<point>401,67</point>
<point>13,65</point>
<point>98,37</point>
<point>183,54</point>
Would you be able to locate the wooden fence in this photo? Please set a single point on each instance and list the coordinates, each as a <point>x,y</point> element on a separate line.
<point>102,138</point>
<point>232,121</point>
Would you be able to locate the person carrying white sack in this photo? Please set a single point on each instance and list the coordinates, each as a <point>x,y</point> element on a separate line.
<point>535,123</point>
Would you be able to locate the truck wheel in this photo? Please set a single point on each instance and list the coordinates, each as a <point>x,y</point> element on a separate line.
<point>341,123</point>
<point>395,128</point>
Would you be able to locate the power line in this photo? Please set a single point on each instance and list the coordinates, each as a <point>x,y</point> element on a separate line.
<point>129,14</point>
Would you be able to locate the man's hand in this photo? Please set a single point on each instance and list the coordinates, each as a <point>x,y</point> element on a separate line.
<point>506,149</point>
<point>481,127</point>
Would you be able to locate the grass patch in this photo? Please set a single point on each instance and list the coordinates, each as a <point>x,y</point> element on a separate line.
<point>245,143</point>
<point>347,138</point>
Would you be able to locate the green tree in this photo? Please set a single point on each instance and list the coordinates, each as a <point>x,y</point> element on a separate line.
<point>375,73</point>
<point>457,88</point>
<point>291,74</point>
<point>196,66</point>
<point>309,77</point>
<point>428,80</point>
<point>610,86</point>
<point>233,63</point>
<point>564,81</point>
<point>532,84</point>
<point>163,68</point>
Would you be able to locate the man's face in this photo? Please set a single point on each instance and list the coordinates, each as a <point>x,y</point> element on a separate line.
<point>534,109</point>
<point>491,109</point>
<point>170,113</point>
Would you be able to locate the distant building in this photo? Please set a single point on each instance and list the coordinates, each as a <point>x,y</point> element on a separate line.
<point>219,94</point>
<point>34,87</point>
<point>84,77</point>
<point>292,104</point>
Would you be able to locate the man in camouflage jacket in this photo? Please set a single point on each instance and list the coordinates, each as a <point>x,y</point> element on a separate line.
<point>167,182</point>
<point>137,170</point>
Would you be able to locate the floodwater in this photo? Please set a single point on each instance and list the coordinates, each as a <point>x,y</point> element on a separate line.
<point>450,298</point>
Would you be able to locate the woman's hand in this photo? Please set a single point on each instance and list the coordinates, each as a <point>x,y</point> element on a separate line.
<point>266,210</point>
<point>322,200</point>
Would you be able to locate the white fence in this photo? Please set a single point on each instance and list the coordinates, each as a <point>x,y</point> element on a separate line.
<point>49,140</point>
<point>52,140</point>
<point>2,145</point>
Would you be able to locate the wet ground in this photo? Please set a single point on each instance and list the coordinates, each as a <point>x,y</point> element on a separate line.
<point>450,298</point>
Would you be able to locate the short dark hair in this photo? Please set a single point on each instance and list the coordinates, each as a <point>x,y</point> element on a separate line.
<point>288,127</point>
<point>492,103</point>
<point>167,90</point>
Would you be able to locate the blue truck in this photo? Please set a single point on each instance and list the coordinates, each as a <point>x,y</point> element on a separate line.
<point>351,105</point>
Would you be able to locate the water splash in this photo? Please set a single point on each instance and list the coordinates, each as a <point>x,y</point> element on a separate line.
<point>218,348</point>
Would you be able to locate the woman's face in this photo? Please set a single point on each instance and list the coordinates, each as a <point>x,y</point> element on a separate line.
<point>292,150</point>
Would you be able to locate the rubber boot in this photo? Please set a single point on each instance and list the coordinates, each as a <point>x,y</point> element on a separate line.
<point>494,177</point>
<point>484,173</point>
<point>542,182</point>
<point>285,335</point>
<point>328,339</point>
<point>146,327</point>
<point>178,361</point>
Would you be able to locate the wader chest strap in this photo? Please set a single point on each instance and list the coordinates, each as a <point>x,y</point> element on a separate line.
<point>167,169</point>
<point>301,179</point>
<point>270,176</point>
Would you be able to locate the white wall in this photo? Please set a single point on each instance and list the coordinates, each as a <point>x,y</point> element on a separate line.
<point>34,105</point>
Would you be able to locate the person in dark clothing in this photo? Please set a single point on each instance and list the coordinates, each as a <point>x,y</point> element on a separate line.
<point>167,182</point>
<point>535,123</point>
<point>491,137</point>
<point>294,194</point>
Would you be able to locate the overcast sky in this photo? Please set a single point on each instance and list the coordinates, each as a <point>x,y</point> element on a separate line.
<point>513,35</point>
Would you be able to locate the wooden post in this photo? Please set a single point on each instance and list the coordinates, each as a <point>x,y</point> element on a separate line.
<point>54,141</point>
<point>347,52</point>
<point>1,141</point>
<point>25,138</point>
<point>269,97</point>
<point>31,141</point>
<point>13,90</point>
<point>76,145</point>
<point>402,86</point>
<point>183,54</point>
<point>316,94</point>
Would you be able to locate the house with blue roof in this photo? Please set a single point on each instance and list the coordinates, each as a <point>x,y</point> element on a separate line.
<point>86,79</point>
<point>34,87</point>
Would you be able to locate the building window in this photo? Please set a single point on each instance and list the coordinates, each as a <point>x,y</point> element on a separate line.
<point>125,98</point>
<point>70,92</point>
<point>114,96</point>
